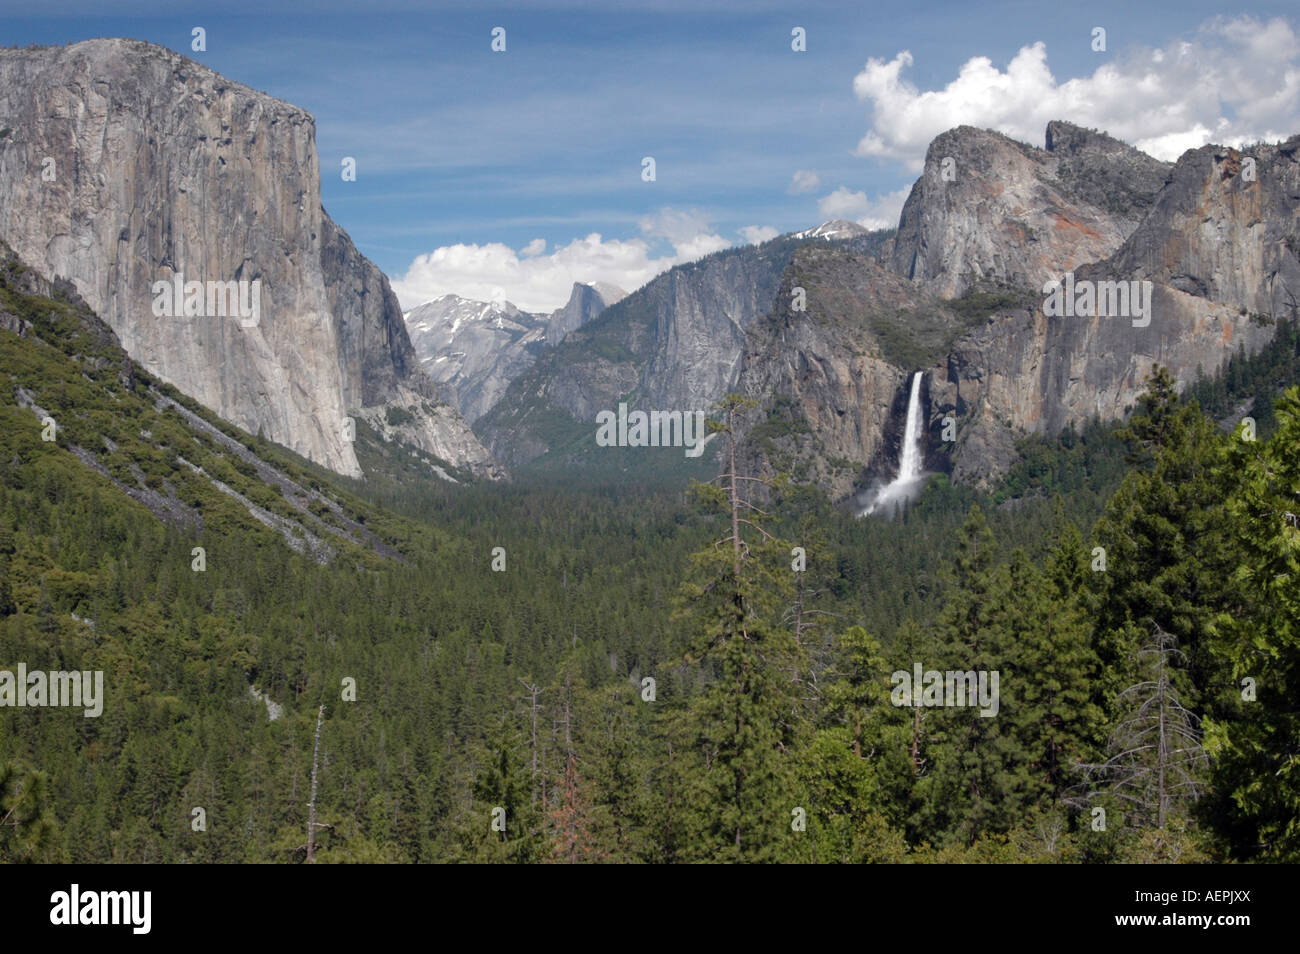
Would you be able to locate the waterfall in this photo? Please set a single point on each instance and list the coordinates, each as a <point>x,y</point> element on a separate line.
<point>909,467</point>
<point>910,460</point>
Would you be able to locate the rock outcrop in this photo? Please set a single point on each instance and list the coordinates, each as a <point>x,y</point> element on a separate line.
<point>674,344</point>
<point>1226,228</point>
<point>988,209</point>
<point>957,292</point>
<point>474,349</point>
<point>586,301</point>
<point>157,446</point>
<point>828,379</point>
<point>1220,247</point>
<point>1217,245</point>
<point>123,164</point>
<point>1023,372</point>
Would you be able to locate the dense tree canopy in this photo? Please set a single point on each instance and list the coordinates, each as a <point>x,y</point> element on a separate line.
<point>654,676</point>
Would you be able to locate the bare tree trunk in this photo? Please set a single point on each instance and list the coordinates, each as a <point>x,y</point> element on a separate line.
<point>311,806</point>
<point>1162,804</point>
<point>916,740</point>
<point>534,691</point>
<point>570,792</point>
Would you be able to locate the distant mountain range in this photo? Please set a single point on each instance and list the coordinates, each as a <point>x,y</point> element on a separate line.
<point>104,182</point>
<point>474,349</point>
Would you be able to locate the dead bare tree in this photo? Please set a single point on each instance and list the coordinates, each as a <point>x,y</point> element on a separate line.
<point>311,805</point>
<point>534,691</point>
<point>811,629</point>
<point>1158,760</point>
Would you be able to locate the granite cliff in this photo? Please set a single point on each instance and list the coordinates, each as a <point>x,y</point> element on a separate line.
<point>123,164</point>
<point>959,292</point>
<point>1216,244</point>
<point>674,344</point>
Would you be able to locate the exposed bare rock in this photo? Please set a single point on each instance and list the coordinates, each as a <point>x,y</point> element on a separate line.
<point>962,300</point>
<point>127,164</point>
<point>676,342</point>
<point>990,209</point>
<point>1023,372</point>
<point>431,428</point>
<point>586,301</point>
<point>1226,228</point>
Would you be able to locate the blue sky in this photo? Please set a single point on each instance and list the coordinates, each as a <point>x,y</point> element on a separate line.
<point>480,154</point>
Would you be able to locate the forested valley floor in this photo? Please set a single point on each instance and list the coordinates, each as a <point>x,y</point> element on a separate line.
<point>630,684</point>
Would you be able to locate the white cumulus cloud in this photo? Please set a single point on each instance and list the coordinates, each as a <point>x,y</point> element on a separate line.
<point>879,213</point>
<point>687,231</point>
<point>803,181</point>
<point>1235,81</point>
<point>541,282</point>
<point>757,234</point>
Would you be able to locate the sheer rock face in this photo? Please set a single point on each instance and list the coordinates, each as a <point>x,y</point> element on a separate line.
<point>1219,249</point>
<point>473,349</point>
<point>821,376</point>
<point>835,372</point>
<point>1226,228</point>
<point>585,303</point>
<point>990,209</point>
<point>1219,246</point>
<point>987,211</point>
<point>673,344</point>
<point>126,164</point>
<point>1024,372</point>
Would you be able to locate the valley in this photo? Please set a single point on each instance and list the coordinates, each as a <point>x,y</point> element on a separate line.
<point>840,544</point>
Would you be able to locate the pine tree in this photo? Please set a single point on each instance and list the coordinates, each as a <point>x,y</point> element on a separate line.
<point>852,768</point>
<point>1152,425</point>
<point>969,790</point>
<point>1167,558</point>
<point>502,823</point>
<point>1050,668</point>
<point>747,717</point>
<point>26,827</point>
<point>1257,757</point>
<point>620,765</point>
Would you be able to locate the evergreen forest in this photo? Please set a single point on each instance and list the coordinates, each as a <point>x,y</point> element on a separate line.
<point>650,666</point>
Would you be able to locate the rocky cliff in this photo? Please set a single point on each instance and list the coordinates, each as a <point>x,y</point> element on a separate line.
<point>674,344</point>
<point>1217,248</point>
<point>831,379</point>
<point>988,209</point>
<point>61,365</point>
<point>959,293</point>
<point>585,303</point>
<point>123,164</point>
<point>1226,228</point>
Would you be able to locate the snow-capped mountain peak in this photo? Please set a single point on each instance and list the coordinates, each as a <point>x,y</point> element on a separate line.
<point>835,229</point>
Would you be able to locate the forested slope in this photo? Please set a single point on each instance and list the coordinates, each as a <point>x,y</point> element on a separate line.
<point>768,732</point>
